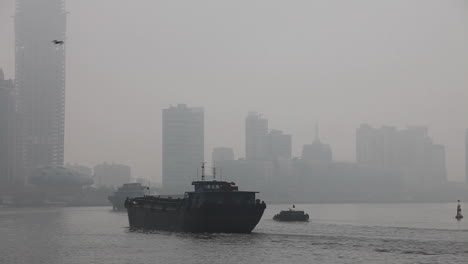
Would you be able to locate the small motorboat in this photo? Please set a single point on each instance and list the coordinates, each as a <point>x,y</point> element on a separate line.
<point>459,215</point>
<point>291,215</point>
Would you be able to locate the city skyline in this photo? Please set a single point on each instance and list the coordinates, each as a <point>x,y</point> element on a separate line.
<point>266,131</point>
<point>379,73</point>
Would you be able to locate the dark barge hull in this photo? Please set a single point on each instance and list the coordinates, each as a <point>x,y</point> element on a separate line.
<point>212,219</point>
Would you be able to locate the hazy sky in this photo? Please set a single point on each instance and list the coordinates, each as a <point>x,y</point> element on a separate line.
<point>338,63</point>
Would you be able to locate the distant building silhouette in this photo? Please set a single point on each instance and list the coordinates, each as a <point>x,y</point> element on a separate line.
<point>262,144</point>
<point>317,151</point>
<point>411,151</point>
<point>256,132</point>
<point>279,145</point>
<point>466,156</point>
<point>111,175</point>
<point>40,80</point>
<point>8,134</point>
<point>183,146</point>
<point>249,174</point>
<point>267,166</point>
<point>222,154</point>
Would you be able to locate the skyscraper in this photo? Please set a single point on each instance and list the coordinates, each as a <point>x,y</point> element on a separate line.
<point>317,151</point>
<point>183,146</point>
<point>279,145</point>
<point>8,157</point>
<point>466,156</point>
<point>40,80</point>
<point>410,151</point>
<point>256,140</point>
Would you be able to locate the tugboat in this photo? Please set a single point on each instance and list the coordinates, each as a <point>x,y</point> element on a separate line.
<point>213,207</point>
<point>292,216</point>
<point>128,190</point>
<point>459,215</point>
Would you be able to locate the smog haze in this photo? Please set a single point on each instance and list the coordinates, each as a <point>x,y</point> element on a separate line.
<point>335,63</point>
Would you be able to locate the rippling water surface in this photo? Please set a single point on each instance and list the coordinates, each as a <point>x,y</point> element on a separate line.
<point>336,233</point>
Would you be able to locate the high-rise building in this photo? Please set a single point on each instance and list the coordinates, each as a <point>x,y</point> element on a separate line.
<point>256,137</point>
<point>40,80</point>
<point>8,140</point>
<point>279,145</point>
<point>112,175</point>
<point>466,156</point>
<point>410,151</point>
<point>222,154</point>
<point>317,151</point>
<point>183,146</point>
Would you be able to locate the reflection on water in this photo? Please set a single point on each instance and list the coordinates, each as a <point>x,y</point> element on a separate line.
<point>337,233</point>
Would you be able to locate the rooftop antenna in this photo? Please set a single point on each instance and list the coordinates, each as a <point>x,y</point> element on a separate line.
<point>203,170</point>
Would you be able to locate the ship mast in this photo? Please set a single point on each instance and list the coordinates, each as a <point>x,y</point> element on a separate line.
<point>203,170</point>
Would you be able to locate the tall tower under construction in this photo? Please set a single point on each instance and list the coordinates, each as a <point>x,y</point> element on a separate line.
<point>40,80</point>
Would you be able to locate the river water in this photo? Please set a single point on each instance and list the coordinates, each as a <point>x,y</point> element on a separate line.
<point>336,233</point>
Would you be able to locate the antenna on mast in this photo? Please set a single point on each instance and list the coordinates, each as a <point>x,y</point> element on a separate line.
<point>203,170</point>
